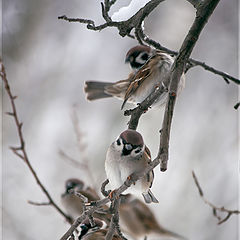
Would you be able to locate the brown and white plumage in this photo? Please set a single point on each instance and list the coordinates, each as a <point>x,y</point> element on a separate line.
<point>139,221</point>
<point>74,205</point>
<point>128,155</point>
<point>150,68</point>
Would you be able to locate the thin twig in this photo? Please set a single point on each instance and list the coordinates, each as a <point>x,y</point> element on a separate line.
<point>114,224</point>
<point>103,191</point>
<point>39,204</point>
<point>195,3</point>
<point>236,105</point>
<point>71,160</point>
<point>82,147</point>
<point>83,198</point>
<point>22,147</point>
<point>215,209</point>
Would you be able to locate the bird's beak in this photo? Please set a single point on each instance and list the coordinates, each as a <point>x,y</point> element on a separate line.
<point>64,194</point>
<point>129,59</point>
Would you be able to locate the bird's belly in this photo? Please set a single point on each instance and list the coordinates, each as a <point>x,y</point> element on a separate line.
<point>145,90</point>
<point>136,188</point>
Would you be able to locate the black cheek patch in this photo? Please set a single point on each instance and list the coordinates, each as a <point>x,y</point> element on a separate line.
<point>126,152</point>
<point>135,64</point>
<point>138,151</point>
<point>84,230</point>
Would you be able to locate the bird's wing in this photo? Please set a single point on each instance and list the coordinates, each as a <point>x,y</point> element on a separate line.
<point>119,88</point>
<point>150,175</point>
<point>138,79</point>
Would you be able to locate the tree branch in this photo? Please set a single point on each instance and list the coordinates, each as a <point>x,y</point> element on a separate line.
<point>195,3</point>
<point>114,224</point>
<point>124,27</point>
<point>22,147</point>
<point>39,204</point>
<point>236,105</point>
<point>202,15</point>
<point>191,61</point>
<point>98,204</point>
<point>214,208</point>
<point>204,10</point>
<point>173,78</point>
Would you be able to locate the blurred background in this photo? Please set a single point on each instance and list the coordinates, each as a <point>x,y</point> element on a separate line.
<point>47,61</point>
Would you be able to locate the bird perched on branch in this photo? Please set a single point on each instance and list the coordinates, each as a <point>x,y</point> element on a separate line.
<point>150,68</point>
<point>139,221</point>
<point>128,155</point>
<point>96,232</point>
<point>74,204</point>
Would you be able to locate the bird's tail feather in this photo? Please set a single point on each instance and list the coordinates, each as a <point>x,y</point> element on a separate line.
<point>149,197</point>
<point>96,90</point>
<point>169,233</point>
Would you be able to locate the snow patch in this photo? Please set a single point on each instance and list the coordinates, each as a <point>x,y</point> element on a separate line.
<point>126,12</point>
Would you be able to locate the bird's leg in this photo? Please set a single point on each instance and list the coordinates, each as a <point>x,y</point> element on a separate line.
<point>131,177</point>
<point>112,194</point>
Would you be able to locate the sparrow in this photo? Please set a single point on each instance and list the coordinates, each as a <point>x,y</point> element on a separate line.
<point>74,205</point>
<point>96,232</point>
<point>128,155</point>
<point>149,68</point>
<point>139,221</point>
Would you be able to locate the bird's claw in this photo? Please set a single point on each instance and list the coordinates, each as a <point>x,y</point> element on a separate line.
<point>129,178</point>
<point>112,194</point>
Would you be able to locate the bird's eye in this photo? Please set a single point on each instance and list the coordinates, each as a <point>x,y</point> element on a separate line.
<point>144,56</point>
<point>138,150</point>
<point>128,147</point>
<point>70,185</point>
<point>118,142</point>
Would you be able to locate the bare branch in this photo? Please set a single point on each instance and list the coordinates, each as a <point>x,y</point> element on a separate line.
<point>71,160</point>
<point>103,191</point>
<point>90,23</point>
<point>114,224</point>
<point>82,147</point>
<point>202,15</point>
<point>197,184</point>
<point>236,105</point>
<point>214,208</point>
<point>23,154</point>
<point>215,71</point>
<point>195,3</point>
<point>39,204</point>
<point>78,194</point>
<point>124,27</point>
<point>191,61</point>
<point>173,78</point>
<point>102,202</point>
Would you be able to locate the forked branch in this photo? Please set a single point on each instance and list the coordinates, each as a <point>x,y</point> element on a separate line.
<point>215,209</point>
<point>21,150</point>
